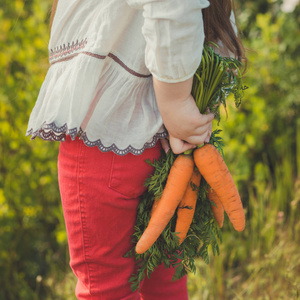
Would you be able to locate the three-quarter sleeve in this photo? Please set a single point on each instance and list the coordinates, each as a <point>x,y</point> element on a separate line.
<point>174,34</point>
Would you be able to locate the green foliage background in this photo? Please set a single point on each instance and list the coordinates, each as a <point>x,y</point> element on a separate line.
<point>262,151</point>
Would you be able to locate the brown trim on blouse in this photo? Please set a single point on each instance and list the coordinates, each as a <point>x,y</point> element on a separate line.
<point>112,56</point>
<point>117,60</point>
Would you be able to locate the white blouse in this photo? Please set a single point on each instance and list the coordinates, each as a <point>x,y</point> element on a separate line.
<point>102,57</point>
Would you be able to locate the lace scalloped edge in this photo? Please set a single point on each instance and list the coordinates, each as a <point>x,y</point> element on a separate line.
<point>50,132</point>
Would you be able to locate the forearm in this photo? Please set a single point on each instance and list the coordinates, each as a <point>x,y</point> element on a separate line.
<point>174,92</point>
<point>180,114</point>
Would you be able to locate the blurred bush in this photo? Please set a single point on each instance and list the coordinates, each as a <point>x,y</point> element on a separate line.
<point>32,235</point>
<point>262,150</point>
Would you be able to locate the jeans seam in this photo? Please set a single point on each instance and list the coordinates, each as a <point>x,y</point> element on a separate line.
<point>111,171</point>
<point>82,212</point>
<point>111,186</point>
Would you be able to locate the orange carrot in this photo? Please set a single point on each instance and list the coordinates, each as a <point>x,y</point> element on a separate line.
<point>213,168</point>
<point>217,209</point>
<point>154,206</point>
<point>186,208</point>
<point>178,179</point>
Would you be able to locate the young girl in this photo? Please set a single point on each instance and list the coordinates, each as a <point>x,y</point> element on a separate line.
<point>120,80</point>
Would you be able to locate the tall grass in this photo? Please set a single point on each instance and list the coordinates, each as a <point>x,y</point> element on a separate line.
<point>264,261</point>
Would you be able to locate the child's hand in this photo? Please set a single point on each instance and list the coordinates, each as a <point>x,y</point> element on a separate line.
<point>186,126</point>
<point>181,116</point>
<point>180,146</point>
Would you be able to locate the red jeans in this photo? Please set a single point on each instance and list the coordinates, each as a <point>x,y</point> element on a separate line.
<point>100,194</point>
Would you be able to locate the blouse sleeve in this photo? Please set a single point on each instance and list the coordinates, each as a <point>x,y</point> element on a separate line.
<point>174,34</point>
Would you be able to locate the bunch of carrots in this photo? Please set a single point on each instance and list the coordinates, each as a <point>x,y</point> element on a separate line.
<point>181,191</point>
<point>214,80</point>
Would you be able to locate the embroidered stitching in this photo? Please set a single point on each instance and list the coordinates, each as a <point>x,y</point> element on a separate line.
<point>64,50</point>
<point>51,132</point>
<point>65,53</point>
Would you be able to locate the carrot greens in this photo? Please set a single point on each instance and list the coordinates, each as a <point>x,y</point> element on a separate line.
<point>215,79</point>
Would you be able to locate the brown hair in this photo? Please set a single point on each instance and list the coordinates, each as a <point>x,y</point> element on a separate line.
<point>217,26</point>
<point>53,10</point>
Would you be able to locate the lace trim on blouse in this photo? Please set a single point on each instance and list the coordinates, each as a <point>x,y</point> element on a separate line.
<point>51,132</point>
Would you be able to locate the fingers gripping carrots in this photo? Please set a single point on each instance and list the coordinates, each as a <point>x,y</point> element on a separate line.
<point>213,168</point>
<point>178,179</point>
<point>186,208</point>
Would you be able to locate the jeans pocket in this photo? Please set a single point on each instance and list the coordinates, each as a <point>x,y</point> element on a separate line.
<point>129,172</point>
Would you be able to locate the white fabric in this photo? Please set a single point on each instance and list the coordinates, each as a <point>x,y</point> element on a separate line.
<point>102,55</point>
